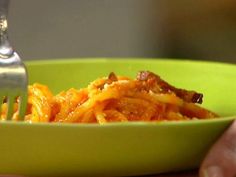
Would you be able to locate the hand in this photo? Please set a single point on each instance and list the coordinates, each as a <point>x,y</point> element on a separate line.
<point>221,159</point>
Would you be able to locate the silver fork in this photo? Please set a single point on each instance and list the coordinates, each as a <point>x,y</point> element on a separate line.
<point>13,74</point>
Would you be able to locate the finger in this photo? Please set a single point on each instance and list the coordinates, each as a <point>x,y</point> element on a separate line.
<point>221,159</point>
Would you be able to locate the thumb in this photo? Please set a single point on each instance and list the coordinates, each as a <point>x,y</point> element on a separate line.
<point>221,159</point>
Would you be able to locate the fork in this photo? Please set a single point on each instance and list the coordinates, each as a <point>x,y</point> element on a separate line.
<point>13,73</point>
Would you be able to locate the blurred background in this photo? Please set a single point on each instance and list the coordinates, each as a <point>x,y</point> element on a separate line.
<point>185,29</point>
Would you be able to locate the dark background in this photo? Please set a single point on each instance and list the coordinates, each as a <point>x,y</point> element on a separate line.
<point>185,29</point>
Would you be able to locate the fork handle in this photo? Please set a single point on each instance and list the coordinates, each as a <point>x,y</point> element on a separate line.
<point>5,48</point>
<point>4,4</point>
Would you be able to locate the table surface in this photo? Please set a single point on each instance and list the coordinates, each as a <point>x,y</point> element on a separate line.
<point>192,173</point>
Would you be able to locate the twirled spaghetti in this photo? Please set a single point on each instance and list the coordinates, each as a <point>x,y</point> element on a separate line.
<point>114,99</point>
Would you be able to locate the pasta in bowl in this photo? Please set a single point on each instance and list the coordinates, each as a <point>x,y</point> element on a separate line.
<point>115,99</point>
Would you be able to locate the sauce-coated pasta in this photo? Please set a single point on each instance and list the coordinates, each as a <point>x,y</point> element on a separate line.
<point>114,99</point>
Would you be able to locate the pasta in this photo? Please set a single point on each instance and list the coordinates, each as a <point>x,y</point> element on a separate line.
<point>114,99</point>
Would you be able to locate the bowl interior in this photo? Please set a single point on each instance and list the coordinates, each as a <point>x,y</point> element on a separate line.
<point>215,80</point>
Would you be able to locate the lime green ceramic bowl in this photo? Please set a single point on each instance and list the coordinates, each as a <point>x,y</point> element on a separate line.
<point>115,149</point>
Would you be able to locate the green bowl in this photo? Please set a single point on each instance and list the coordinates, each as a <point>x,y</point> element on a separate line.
<point>119,149</point>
